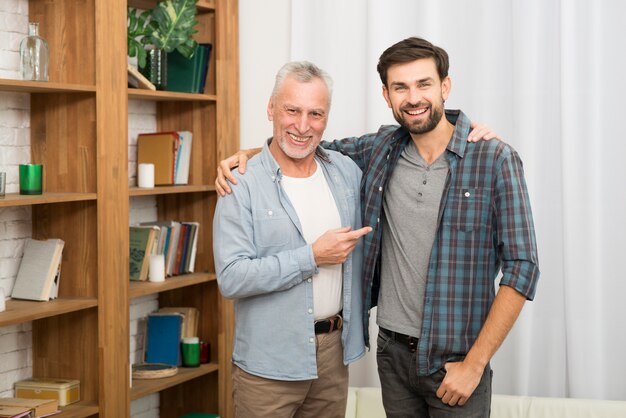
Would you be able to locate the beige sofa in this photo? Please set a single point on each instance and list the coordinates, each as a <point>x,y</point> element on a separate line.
<point>367,403</point>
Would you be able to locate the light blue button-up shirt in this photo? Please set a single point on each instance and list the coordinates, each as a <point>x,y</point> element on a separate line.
<point>264,263</point>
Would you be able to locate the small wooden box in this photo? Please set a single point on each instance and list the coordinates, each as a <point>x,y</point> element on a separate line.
<point>66,391</point>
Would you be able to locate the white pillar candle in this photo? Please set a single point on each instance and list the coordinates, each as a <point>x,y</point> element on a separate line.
<point>157,268</point>
<point>145,175</point>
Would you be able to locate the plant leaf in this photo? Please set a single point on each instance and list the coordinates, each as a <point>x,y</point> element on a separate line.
<point>175,21</point>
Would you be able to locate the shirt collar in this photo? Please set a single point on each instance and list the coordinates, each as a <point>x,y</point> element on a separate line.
<point>273,169</point>
<point>458,142</point>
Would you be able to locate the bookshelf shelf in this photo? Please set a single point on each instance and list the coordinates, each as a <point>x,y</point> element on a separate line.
<point>169,96</point>
<point>78,410</point>
<point>18,311</point>
<point>144,387</point>
<point>138,289</point>
<point>138,191</point>
<point>21,86</point>
<point>16,199</point>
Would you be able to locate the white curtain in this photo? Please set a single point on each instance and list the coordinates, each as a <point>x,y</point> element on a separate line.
<point>549,76</point>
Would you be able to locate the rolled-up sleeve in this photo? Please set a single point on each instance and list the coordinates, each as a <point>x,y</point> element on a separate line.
<point>515,230</point>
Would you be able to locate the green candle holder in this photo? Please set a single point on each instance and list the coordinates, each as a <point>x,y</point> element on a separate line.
<point>31,178</point>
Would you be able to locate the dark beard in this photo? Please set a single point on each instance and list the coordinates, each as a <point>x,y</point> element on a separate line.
<point>429,125</point>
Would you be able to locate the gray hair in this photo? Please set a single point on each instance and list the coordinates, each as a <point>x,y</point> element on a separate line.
<point>303,71</point>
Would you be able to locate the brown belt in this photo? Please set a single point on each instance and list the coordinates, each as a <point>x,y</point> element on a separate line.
<point>324,326</point>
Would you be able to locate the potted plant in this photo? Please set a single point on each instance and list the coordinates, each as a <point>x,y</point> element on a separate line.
<point>154,33</point>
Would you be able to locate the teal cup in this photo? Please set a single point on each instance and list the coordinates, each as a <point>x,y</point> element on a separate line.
<point>31,178</point>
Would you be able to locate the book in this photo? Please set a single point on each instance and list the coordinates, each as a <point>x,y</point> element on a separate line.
<point>183,159</point>
<point>160,149</point>
<point>40,407</point>
<point>201,53</point>
<point>194,242</point>
<point>188,75</point>
<point>54,289</point>
<point>15,412</point>
<point>137,80</point>
<point>141,240</point>
<point>181,72</point>
<point>190,319</point>
<point>38,268</point>
<point>163,334</point>
<point>205,66</point>
<point>172,235</point>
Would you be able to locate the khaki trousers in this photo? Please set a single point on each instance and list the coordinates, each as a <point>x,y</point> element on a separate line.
<point>325,396</point>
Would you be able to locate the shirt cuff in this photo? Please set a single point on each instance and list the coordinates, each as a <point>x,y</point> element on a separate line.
<point>306,261</point>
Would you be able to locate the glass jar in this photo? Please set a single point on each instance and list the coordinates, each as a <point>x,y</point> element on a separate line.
<point>34,55</point>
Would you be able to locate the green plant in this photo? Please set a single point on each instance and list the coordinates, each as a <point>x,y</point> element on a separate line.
<point>138,30</point>
<point>169,26</point>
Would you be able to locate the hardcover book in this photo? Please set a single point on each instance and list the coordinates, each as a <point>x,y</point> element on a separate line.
<point>164,333</point>
<point>38,269</point>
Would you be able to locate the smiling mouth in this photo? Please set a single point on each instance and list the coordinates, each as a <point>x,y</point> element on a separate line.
<point>415,112</point>
<point>299,139</point>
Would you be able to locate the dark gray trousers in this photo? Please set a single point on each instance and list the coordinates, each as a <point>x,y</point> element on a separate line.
<point>407,395</point>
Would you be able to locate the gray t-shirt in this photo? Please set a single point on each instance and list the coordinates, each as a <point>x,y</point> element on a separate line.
<point>411,206</point>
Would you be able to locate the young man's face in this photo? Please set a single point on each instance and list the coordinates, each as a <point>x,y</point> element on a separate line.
<point>300,114</point>
<point>415,94</point>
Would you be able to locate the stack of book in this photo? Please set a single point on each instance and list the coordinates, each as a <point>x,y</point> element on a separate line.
<point>176,241</point>
<point>170,152</point>
<point>188,75</point>
<point>40,270</point>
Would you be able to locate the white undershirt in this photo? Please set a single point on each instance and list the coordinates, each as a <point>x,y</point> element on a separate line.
<point>317,211</point>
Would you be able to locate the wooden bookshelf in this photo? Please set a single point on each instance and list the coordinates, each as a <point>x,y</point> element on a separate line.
<point>138,289</point>
<point>139,191</point>
<point>16,199</point>
<point>144,387</point>
<point>79,132</point>
<point>18,311</point>
<point>78,410</point>
<point>169,96</point>
<point>21,86</point>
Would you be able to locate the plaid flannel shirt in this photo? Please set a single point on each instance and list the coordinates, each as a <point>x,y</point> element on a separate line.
<point>484,225</point>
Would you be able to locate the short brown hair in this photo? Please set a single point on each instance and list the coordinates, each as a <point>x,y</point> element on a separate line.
<point>409,50</point>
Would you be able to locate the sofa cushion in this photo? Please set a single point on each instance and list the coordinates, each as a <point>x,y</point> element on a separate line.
<point>368,403</point>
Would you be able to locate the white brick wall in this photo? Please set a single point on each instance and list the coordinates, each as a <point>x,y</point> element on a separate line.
<point>141,118</point>
<point>16,224</point>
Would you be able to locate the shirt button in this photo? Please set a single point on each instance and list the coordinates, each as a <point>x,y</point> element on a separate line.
<point>311,340</point>
<point>387,156</point>
<point>377,220</point>
<point>424,182</point>
<point>467,194</point>
<point>270,213</point>
<point>309,280</point>
<point>380,189</point>
<point>420,194</point>
<point>310,310</point>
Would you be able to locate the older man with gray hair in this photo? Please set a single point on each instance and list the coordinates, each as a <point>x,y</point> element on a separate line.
<point>287,249</point>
